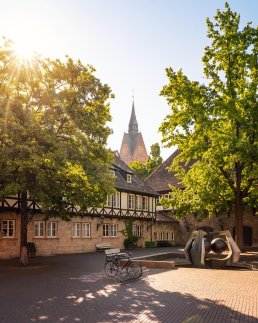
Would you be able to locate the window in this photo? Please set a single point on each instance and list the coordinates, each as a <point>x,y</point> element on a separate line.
<point>131,201</point>
<point>145,203</point>
<point>129,178</point>
<point>172,235</point>
<point>52,229</point>
<point>158,199</point>
<point>138,202</point>
<point>113,229</point>
<point>134,230</point>
<point>137,230</point>
<point>39,229</point>
<point>112,172</point>
<point>110,230</point>
<point>167,236</point>
<point>105,230</point>
<point>76,232</point>
<point>80,230</point>
<point>8,227</point>
<point>85,230</point>
<point>109,200</point>
<point>114,200</point>
<point>161,235</point>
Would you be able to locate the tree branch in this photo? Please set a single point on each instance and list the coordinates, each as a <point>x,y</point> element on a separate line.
<point>227,177</point>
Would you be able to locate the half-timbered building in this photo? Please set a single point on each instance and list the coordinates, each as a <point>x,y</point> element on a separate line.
<point>133,199</point>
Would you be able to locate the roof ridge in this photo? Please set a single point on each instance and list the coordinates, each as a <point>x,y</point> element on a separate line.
<point>160,166</point>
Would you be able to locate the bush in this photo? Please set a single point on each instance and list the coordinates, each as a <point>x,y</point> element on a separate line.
<point>131,243</point>
<point>150,244</point>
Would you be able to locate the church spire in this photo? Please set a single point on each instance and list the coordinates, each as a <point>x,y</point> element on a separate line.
<point>133,147</point>
<point>133,124</point>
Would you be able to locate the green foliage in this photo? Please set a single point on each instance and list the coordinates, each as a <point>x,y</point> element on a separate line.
<point>131,240</point>
<point>154,158</point>
<point>53,132</point>
<point>150,244</point>
<point>140,168</point>
<point>145,169</point>
<point>215,126</point>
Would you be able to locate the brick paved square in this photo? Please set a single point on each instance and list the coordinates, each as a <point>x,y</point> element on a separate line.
<point>74,288</point>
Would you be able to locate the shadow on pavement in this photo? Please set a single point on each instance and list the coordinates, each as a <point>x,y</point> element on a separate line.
<point>69,291</point>
<point>74,288</point>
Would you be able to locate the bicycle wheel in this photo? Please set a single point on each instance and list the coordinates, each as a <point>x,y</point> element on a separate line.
<point>111,268</point>
<point>134,270</point>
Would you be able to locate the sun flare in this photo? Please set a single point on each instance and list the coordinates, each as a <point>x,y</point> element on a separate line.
<point>24,50</point>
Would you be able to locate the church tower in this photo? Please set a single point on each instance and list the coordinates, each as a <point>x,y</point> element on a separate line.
<point>133,147</point>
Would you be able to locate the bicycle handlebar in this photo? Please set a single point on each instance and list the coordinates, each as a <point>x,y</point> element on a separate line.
<point>116,256</point>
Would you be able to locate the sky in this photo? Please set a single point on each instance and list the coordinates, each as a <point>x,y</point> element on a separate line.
<point>129,42</point>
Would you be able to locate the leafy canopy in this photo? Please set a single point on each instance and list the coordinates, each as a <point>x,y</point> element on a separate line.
<point>216,124</point>
<point>145,169</point>
<point>53,131</point>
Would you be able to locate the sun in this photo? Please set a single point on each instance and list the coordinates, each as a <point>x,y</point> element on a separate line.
<point>24,50</point>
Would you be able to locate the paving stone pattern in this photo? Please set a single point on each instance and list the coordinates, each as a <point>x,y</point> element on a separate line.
<point>74,288</point>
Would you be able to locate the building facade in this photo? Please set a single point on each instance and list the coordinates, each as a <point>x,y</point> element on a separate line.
<point>160,181</point>
<point>133,199</point>
<point>133,147</point>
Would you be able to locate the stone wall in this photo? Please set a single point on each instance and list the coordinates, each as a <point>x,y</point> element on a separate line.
<point>250,220</point>
<point>10,247</point>
<point>166,231</point>
<point>64,242</point>
<point>184,227</point>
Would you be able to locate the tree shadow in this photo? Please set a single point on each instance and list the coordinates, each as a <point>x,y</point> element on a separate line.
<point>93,297</point>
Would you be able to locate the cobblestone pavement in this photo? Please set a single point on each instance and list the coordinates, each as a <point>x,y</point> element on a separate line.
<point>74,288</point>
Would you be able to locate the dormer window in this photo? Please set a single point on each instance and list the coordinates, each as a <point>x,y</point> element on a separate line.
<point>129,178</point>
<point>112,172</point>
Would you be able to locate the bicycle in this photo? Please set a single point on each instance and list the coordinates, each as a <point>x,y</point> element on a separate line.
<point>113,266</point>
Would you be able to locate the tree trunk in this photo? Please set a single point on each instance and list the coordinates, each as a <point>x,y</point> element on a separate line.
<point>239,207</point>
<point>239,226</point>
<point>24,221</point>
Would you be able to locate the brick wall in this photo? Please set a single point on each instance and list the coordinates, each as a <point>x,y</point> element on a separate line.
<point>140,152</point>
<point>228,223</point>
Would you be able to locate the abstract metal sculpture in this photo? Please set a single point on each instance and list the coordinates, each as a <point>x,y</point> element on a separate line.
<point>218,253</point>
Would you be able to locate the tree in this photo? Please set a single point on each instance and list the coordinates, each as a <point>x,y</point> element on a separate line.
<point>216,125</point>
<point>154,158</point>
<point>145,169</point>
<point>140,168</point>
<point>130,240</point>
<point>53,135</point>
